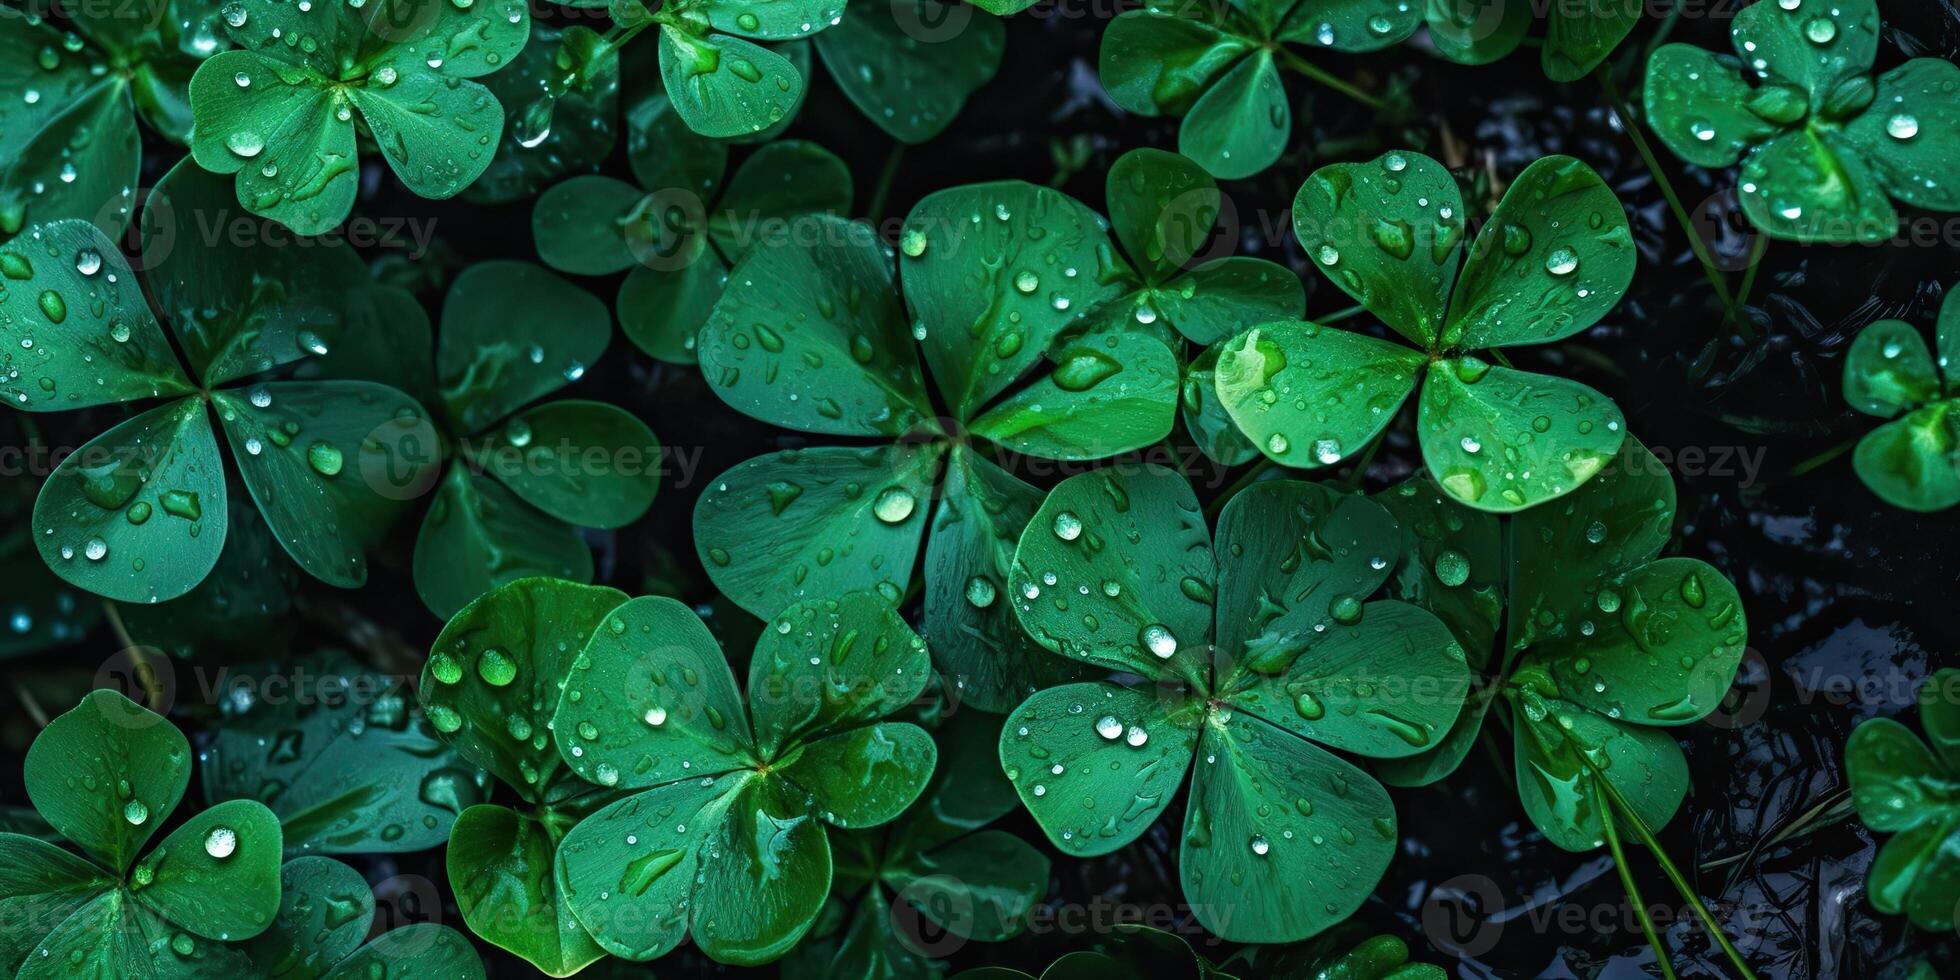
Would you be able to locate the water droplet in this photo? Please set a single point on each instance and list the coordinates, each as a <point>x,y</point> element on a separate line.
<point>655,716</point>
<point>1108,727</point>
<point>325,458</point>
<point>221,842</point>
<point>894,505</point>
<point>1562,262</point>
<point>496,667</point>
<point>1260,845</point>
<point>980,591</point>
<point>96,549</point>
<point>1136,736</point>
<point>1068,527</point>
<point>1820,30</point>
<point>135,812</point>
<point>1452,568</point>
<point>1902,126</point>
<point>1159,641</point>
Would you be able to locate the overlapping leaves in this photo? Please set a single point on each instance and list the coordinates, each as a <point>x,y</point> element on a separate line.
<point>1903,787</point>
<point>1912,461</point>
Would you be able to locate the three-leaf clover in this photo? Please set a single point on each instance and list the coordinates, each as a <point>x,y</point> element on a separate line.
<point>1913,461</point>
<point>909,65</point>
<point>69,144</point>
<point>105,776</point>
<point>341,757</point>
<point>1217,65</point>
<point>326,910</point>
<point>936,865</point>
<point>139,513</point>
<point>721,82</point>
<point>1821,144</point>
<point>681,228</point>
<point>726,838</point>
<point>810,334</point>
<point>1253,649</point>
<point>1902,787</point>
<point>1554,258</point>
<point>280,112</point>
<point>491,688</point>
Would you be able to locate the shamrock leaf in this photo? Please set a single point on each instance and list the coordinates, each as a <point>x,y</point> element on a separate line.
<point>490,689</point>
<point>280,111</point>
<point>729,797</point>
<point>570,75</point>
<point>936,864</point>
<point>341,759</point>
<point>1579,36</point>
<point>1902,787</point>
<point>1219,68</point>
<point>997,281</point>
<point>1913,461</point>
<point>524,475</point>
<point>909,65</point>
<point>680,235</point>
<point>1254,664</point>
<point>1615,648</point>
<point>69,144</point>
<point>106,775</point>
<point>1141,951</point>
<point>325,912</point>
<point>1554,258</point>
<point>1822,146</point>
<point>721,83</point>
<point>139,513</point>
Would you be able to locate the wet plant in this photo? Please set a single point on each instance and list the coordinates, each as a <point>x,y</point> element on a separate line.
<point>1912,461</point>
<point>1903,787</point>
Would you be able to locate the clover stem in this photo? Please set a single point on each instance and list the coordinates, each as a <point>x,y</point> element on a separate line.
<point>1360,470</point>
<point>1633,893</point>
<point>1245,480</point>
<point>1821,458</point>
<point>876,212</point>
<point>1321,75</point>
<point>1502,358</point>
<point>1668,868</point>
<point>1632,124</point>
<point>1342,314</point>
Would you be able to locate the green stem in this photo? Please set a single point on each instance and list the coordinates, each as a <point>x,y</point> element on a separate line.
<point>1354,478</point>
<point>1633,893</point>
<point>1321,75</point>
<point>883,190</point>
<point>1632,126</point>
<point>1821,458</point>
<point>1661,33</point>
<point>1246,480</point>
<point>1341,314</point>
<point>1756,250</point>
<point>1502,358</point>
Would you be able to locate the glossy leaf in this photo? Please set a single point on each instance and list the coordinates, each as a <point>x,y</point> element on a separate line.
<point>1108,394</point>
<point>139,764</point>
<point>726,86</point>
<point>1504,440</point>
<point>1388,232</point>
<point>1111,789</point>
<point>479,535</point>
<point>586,463</point>
<point>500,867</point>
<point>1308,395</point>
<point>910,65</point>
<point>1240,125</point>
<point>511,333</point>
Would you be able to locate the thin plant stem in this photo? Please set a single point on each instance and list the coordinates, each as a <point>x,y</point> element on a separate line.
<point>876,211</point>
<point>1360,471</point>
<point>1335,82</point>
<point>1245,480</point>
<point>1756,250</point>
<point>1824,457</point>
<point>1340,314</point>
<point>1633,893</point>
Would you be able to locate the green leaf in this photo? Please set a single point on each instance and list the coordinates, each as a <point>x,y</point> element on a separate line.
<point>345,774</point>
<point>1899,785</point>
<point>1911,133</point>
<point>976,641</point>
<point>102,938</point>
<point>283,135</point>
<point>815,522</point>
<point>41,885</point>
<point>1578,39</point>
<point>69,146</point>
<point>811,336</point>
<point>866,776</point>
<point>779,181</point>
<point>1556,256</point>
<point>1162,208</point>
<point>1308,395</point>
<point>1453,564</point>
<point>859,644</point>
<point>1473,32</point>
<point>419,949</point>
<point>1388,232</point>
<point>1555,747</point>
<point>1888,370</point>
<point>1112,786</point>
<point>1155,63</point>
<point>770,20</point>
<point>580,225</point>
<point>1350,25</point>
<point>138,513</point>
<point>725,86</point>
<point>243,602</point>
<point>1108,394</point>
<point>586,463</point>
<point>995,272</point>
<point>651,700</point>
<point>1210,302</point>
<point>500,867</point>
<point>479,535</point>
<point>1698,103</point>
<point>1279,817</point>
<point>665,155</point>
<point>512,333</point>
<point>1205,420</point>
<point>1811,187</point>
<point>217,874</point>
<point>1913,462</point>
<point>1893,776</point>
<point>1816,47</point>
<point>323,458</point>
<point>662,311</point>
<point>1502,440</point>
<point>910,65</point>
<point>1303,557</point>
<point>432,129</point>
<point>86,335</point>
<point>582,122</point>
<point>1912,874</point>
<point>1240,125</point>
<point>1116,570</point>
<point>524,634</point>
<point>988,881</point>
<point>325,910</point>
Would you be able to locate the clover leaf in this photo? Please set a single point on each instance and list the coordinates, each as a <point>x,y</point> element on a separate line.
<point>138,514</point>
<point>342,759</point>
<point>1141,951</point>
<point>721,82</point>
<point>1218,66</point>
<point>1902,787</point>
<point>280,112</point>
<point>909,65</point>
<point>1162,208</point>
<point>680,234</point>
<point>1822,145</point>
<point>69,143</point>
<point>326,910</point>
<point>1554,258</point>
<point>571,75</point>
<point>1579,36</point>
<point>1256,651</point>
<point>810,334</point>
<point>1913,461</point>
<point>490,688</point>
<point>524,475</point>
<point>935,864</point>
<point>106,775</point>
<point>725,838</point>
